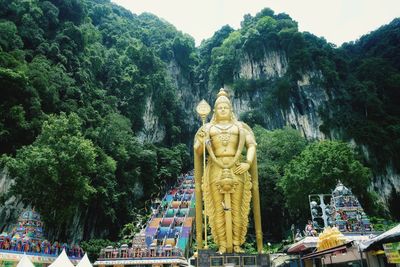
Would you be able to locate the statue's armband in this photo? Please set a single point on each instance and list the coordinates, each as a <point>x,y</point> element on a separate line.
<point>250,140</point>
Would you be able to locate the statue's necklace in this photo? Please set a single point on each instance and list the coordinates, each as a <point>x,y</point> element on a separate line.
<point>224,134</point>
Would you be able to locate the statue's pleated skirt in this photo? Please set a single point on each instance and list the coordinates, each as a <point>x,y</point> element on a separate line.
<point>214,205</point>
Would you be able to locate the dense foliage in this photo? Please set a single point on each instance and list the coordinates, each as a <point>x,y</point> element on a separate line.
<point>263,34</point>
<point>92,247</point>
<point>275,149</point>
<point>368,106</point>
<point>77,77</point>
<point>90,57</point>
<point>291,168</point>
<point>74,77</point>
<point>317,170</point>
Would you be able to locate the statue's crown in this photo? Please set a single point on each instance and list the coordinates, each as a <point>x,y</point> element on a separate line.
<point>222,97</point>
<point>222,92</point>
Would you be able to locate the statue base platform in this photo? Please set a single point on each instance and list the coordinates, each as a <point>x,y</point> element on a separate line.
<point>207,257</point>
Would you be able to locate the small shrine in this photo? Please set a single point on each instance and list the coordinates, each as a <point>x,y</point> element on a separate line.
<point>343,226</point>
<point>29,226</point>
<point>346,211</point>
<point>27,238</point>
<point>27,235</point>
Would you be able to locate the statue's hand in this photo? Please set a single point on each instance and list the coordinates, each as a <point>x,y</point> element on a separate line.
<point>201,135</point>
<point>241,168</point>
<point>199,141</point>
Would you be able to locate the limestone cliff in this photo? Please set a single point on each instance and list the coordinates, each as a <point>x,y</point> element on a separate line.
<point>12,206</point>
<point>302,112</point>
<point>304,102</point>
<point>153,130</point>
<point>274,64</point>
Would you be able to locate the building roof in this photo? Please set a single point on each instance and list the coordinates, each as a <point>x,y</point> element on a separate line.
<point>85,262</point>
<point>328,251</point>
<point>392,235</point>
<point>62,261</point>
<point>25,262</point>
<point>309,242</point>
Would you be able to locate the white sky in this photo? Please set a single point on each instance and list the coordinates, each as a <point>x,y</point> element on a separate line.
<point>337,20</point>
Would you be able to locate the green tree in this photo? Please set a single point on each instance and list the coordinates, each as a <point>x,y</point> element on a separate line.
<point>224,60</point>
<point>169,164</point>
<point>9,39</point>
<point>19,109</point>
<point>317,170</point>
<point>52,84</point>
<point>93,246</point>
<point>183,47</point>
<point>55,173</point>
<point>275,149</point>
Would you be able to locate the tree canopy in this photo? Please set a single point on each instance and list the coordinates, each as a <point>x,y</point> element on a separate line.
<point>275,149</point>
<point>317,170</point>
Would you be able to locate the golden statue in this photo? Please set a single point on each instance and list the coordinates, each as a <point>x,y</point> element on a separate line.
<point>229,180</point>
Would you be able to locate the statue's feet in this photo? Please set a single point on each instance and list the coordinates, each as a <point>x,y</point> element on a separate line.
<point>222,250</point>
<point>238,249</point>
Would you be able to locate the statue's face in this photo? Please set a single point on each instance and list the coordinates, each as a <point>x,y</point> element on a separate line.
<point>223,111</point>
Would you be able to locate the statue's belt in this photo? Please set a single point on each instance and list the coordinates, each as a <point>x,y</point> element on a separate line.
<point>236,179</point>
<point>241,178</point>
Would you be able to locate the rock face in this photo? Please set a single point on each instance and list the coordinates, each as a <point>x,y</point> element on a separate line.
<point>301,114</point>
<point>188,96</point>
<point>153,131</point>
<point>274,64</point>
<point>305,117</point>
<point>302,111</point>
<point>12,207</point>
<point>387,183</point>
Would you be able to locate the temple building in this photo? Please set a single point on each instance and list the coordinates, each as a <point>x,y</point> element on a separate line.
<point>345,227</point>
<point>347,214</point>
<point>27,237</point>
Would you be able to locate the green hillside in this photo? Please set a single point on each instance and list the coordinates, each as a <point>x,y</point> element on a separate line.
<point>76,78</point>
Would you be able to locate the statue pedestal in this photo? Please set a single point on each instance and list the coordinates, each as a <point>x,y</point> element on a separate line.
<point>212,258</point>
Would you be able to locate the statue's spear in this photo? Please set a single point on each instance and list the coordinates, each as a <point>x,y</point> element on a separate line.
<point>202,109</point>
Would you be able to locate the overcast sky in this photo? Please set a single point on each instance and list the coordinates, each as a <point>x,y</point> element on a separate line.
<point>337,20</point>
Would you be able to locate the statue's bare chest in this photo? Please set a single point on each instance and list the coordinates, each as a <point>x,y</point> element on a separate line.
<point>224,139</point>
